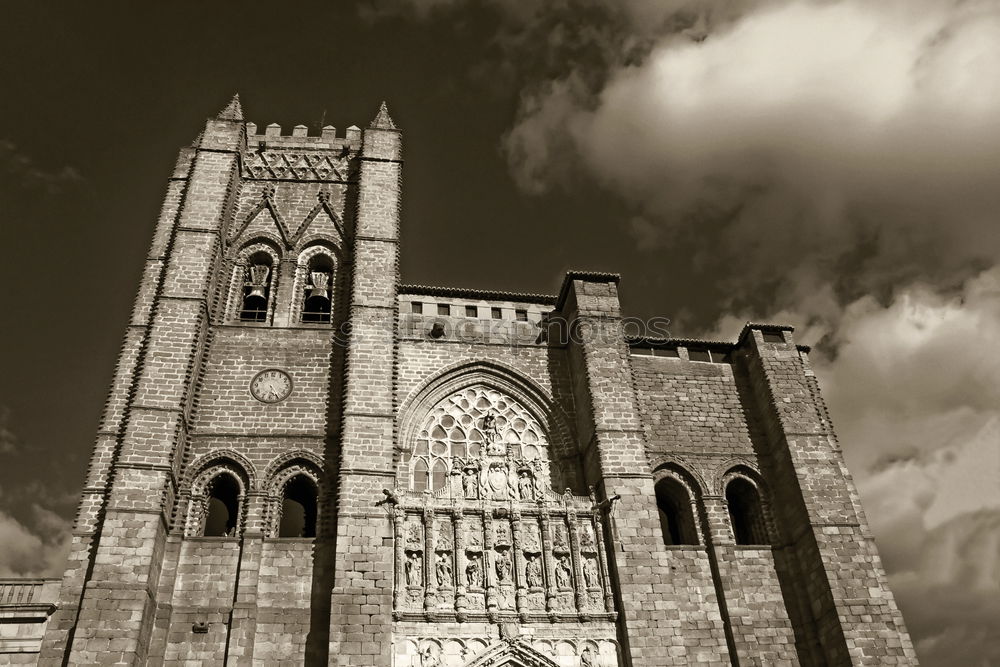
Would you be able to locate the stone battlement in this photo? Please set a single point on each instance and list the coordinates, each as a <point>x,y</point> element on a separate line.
<point>271,138</point>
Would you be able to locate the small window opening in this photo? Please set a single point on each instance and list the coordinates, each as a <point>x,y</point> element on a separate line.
<point>417,308</point>
<point>316,306</point>
<point>420,475</point>
<point>471,311</point>
<point>676,518</point>
<point>697,354</point>
<point>444,309</point>
<point>256,288</point>
<point>745,512</point>
<point>719,357</point>
<point>439,475</point>
<point>223,507</point>
<point>496,313</point>
<point>773,337</point>
<point>298,508</point>
<point>521,315</point>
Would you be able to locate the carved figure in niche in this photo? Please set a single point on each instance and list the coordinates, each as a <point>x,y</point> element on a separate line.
<point>533,572</point>
<point>586,538</point>
<point>503,533</point>
<point>588,658</point>
<point>536,478</point>
<point>525,487</point>
<point>529,538</point>
<point>590,573</point>
<point>444,569</point>
<point>474,572</point>
<point>559,536</point>
<point>414,566</point>
<point>413,533</point>
<point>563,577</point>
<point>503,566</point>
<point>428,656</point>
<point>473,537</point>
<point>470,482</point>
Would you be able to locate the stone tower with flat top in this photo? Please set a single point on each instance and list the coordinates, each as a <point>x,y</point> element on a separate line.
<point>304,461</point>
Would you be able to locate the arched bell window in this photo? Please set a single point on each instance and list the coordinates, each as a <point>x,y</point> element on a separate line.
<point>673,503</point>
<point>745,513</point>
<point>256,287</point>
<point>317,298</point>
<point>223,507</point>
<point>299,508</point>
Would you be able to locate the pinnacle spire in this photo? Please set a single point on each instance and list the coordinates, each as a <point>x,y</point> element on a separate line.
<point>383,120</point>
<point>233,110</point>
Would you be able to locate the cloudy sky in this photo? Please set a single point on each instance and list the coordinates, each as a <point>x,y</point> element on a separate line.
<point>832,164</point>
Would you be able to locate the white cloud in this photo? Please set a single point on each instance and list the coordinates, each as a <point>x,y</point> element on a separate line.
<point>849,139</point>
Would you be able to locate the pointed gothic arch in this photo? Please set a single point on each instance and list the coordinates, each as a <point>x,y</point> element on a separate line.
<point>479,377</point>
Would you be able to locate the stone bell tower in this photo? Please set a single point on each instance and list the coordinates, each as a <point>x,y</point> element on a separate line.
<point>211,494</point>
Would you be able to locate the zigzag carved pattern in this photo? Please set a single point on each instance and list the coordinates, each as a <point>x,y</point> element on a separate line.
<point>293,166</point>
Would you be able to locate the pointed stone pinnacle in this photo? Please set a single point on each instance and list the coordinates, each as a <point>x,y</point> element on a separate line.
<point>233,110</point>
<point>383,120</point>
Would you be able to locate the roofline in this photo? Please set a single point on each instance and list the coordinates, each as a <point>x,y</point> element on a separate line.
<point>482,294</point>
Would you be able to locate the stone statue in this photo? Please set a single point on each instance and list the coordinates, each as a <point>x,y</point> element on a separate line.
<point>491,432</point>
<point>529,538</point>
<point>533,572</point>
<point>536,465</point>
<point>586,538</point>
<point>413,533</point>
<point>559,536</point>
<point>428,656</point>
<point>470,483</point>
<point>413,567</point>
<point>474,572</point>
<point>444,569</point>
<point>503,566</point>
<point>588,658</point>
<point>563,577</point>
<point>525,487</point>
<point>503,533</point>
<point>590,573</point>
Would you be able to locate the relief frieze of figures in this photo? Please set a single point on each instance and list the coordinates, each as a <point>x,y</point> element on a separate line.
<point>495,541</point>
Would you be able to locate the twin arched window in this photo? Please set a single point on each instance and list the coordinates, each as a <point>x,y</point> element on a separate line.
<point>218,502</point>
<point>258,272</point>
<point>677,512</point>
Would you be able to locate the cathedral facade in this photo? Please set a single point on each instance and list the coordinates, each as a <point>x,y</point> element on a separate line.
<point>304,461</point>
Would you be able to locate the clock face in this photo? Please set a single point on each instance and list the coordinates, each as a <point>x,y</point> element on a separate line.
<point>271,385</point>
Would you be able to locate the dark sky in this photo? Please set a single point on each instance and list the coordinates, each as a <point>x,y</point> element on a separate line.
<point>827,164</point>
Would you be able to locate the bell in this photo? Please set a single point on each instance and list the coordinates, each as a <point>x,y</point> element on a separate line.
<point>320,286</point>
<point>257,280</point>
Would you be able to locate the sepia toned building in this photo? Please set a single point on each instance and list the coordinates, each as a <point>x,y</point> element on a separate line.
<point>303,460</point>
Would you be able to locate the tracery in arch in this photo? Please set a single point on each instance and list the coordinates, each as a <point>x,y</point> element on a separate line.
<point>467,424</point>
